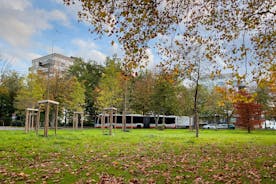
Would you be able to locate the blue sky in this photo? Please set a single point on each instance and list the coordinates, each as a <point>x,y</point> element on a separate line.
<point>31,28</point>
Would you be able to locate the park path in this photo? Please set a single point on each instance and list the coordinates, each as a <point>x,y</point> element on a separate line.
<point>11,128</point>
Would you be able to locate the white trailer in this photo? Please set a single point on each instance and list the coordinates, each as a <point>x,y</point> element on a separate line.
<point>184,121</point>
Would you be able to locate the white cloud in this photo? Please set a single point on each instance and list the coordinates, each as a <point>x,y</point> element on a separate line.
<point>97,56</point>
<point>150,61</point>
<point>14,31</point>
<point>18,59</point>
<point>84,44</point>
<point>72,10</point>
<point>88,50</point>
<point>20,22</point>
<point>115,48</point>
<point>19,5</point>
<point>57,15</point>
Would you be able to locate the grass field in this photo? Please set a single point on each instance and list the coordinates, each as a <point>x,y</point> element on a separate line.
<point>138,156</point>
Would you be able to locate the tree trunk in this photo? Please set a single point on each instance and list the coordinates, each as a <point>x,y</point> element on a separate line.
<point>125,107</point>
<point>124,121</point>
<point>191,121</point>
<point>163,121</point>
<point>195,103</point>
<point>196,122</point>
<point>156,119</point>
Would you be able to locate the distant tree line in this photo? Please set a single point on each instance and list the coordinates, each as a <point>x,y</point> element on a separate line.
<point>90,87</point>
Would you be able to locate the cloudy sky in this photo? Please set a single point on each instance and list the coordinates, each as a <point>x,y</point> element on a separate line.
<point>33,28</point>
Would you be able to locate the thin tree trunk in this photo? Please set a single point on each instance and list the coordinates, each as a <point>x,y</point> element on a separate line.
<point>124,112</point>
<point>124,120</point>
<point>163,120</point>
<point>156,119</point>
<point>195,103</point>
<point>195,112</point>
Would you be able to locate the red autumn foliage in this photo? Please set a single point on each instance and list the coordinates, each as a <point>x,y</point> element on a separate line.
<point>248,111</point>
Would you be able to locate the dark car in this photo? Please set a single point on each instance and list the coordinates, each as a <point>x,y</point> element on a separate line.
<point>231,126</point>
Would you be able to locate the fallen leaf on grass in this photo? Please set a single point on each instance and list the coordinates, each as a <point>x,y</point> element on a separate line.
<point>23,175</point>
<point>107,179</point>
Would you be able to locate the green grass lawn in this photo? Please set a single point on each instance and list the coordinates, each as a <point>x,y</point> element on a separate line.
<point>138,156</point>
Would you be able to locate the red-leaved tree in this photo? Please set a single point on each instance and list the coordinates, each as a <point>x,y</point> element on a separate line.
<point>248,111</point>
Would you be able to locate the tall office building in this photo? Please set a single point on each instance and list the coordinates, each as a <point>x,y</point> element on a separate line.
<point>52,63</point>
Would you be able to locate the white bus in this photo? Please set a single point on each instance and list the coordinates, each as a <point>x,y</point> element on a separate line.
<point>132,121</point>
<point>147,121</point>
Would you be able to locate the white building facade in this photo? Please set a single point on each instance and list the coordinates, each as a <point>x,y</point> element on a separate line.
<point>52,63</point>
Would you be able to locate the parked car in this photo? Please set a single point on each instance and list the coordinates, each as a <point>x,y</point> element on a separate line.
<point>209,126</point>
<point>222,126</point>
<point>219,126</point>
<point>231,126</point>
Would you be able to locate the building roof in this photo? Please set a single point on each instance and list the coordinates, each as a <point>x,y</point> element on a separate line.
<point>55,55</point>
